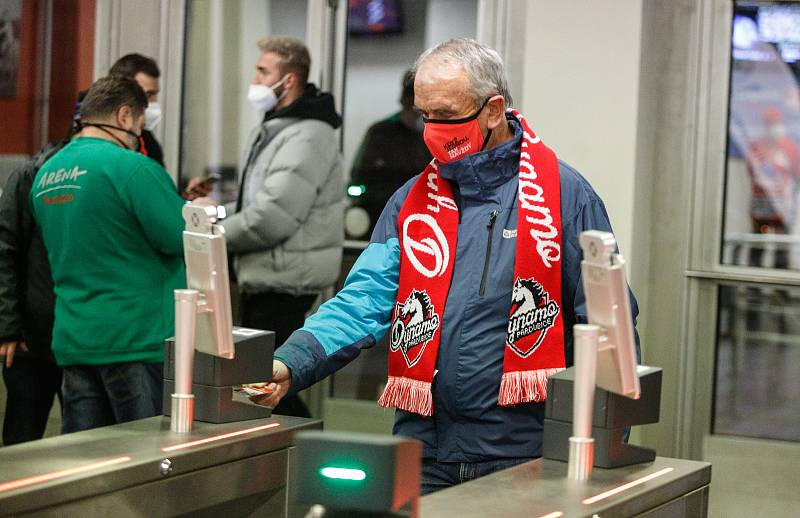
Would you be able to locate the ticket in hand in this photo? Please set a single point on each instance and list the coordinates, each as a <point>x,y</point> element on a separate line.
<point>254,389</point>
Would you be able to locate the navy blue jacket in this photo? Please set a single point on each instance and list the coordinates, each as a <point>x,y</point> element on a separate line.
<point>467,424</point>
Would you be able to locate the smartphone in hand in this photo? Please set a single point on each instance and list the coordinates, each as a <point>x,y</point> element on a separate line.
<point>200,187</point>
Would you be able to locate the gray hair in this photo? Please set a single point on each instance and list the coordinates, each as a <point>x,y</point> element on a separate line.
<point>483,65</point>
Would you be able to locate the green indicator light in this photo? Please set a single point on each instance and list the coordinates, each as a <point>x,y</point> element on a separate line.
<point>356,190</point>
<point>343,473</point>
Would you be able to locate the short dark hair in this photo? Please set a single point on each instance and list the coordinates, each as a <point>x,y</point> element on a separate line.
<point>131,64</point>
<point>109,94</point>
<point>294,56</point>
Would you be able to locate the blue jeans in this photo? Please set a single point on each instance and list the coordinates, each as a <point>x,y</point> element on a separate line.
<point>441,475</point>
<point>102,395</point>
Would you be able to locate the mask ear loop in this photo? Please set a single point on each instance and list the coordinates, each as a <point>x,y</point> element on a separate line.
<point>279,83</point>
<point>489,131</point>
<point>486,139</point>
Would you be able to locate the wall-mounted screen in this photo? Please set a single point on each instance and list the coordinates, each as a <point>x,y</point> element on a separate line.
<point>367,17</point>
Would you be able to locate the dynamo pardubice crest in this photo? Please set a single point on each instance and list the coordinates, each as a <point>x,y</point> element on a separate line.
<point>533,313</point>
<point>414,323</point>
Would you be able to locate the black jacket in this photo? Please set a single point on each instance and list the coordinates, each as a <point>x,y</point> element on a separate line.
<point>313,104</point>
<point>152,148</point>
<point>26,286</point>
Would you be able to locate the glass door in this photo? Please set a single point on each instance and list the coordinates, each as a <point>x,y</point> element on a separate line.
<point>744,276</point>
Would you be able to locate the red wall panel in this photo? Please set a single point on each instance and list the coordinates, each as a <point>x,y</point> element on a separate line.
<point>17,114</point>
<point>72,62</point>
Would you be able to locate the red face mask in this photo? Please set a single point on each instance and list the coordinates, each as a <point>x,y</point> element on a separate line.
<point>451,140</point>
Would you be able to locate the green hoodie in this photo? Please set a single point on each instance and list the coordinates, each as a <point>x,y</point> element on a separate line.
<point>111,221</point>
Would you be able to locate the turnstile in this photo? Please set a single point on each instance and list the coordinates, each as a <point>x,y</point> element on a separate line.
<point>141,468</point>
<point>540,488</point>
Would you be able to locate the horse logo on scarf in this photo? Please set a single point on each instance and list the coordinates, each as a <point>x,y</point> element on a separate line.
<point>532,314</point>
<point>415,323</point>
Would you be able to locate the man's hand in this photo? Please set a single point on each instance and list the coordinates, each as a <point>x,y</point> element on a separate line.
<point>198,187</point>
<point>8,350</point>
<point>281,381</point>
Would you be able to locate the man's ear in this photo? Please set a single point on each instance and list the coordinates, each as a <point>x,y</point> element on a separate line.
<point>496,110</point>
<point>291,81</point>
<point>125,117</point>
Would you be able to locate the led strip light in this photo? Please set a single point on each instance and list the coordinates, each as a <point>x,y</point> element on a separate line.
<point>29,481</point>
<point>219,437</point>
<point>625,487</point>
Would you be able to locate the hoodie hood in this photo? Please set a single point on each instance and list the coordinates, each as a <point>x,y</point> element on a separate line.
<point>313,104</point>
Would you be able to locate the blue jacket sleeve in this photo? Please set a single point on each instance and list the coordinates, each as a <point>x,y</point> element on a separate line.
<point>581,210</point>
<point>358,316</point>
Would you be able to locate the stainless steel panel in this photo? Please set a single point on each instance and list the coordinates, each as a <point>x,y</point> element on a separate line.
<point>249,487</point>
<point>540,487</point>
<point>142,441</point>
<point>693,505</point>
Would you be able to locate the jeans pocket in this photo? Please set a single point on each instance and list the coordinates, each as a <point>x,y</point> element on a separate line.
<point>123,382</point>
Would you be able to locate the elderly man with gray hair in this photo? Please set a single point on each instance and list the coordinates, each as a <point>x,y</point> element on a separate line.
<point>473,271</point>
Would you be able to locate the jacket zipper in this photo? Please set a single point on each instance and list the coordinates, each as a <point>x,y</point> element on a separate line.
<point>489,230</point>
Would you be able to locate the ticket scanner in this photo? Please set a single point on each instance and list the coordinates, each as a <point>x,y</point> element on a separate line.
<point>209,360</point>
<point>605,392</point>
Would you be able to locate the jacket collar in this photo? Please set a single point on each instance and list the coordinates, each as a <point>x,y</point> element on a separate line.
<point>313,104</point>
<point>478,175</point>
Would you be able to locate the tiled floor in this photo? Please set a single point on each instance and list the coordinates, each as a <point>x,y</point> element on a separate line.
<point>752,478</point>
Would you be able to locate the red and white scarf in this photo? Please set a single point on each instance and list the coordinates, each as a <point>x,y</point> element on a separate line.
<point>428,232</point>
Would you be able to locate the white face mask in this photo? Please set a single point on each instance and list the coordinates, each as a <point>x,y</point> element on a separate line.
<point>263,97</point>
<point>152,116</point>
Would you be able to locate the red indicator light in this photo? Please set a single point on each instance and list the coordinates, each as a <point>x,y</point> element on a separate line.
<point>625,487</point>
<point>29,481</point>
<point>219,437</point>
<point>554,514</point>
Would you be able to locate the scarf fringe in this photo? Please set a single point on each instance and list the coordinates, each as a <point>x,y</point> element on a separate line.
<point>407,394</point>
<point>525,386</point>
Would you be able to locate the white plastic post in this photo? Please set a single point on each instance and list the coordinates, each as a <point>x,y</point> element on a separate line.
<point>581,444</point>
<point>183,400</point>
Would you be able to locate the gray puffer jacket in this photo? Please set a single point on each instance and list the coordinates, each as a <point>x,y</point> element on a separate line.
<point>287,231</point>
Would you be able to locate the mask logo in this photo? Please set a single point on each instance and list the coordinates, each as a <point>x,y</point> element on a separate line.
<point>415,323</point>
<point>453,146</point>
<point>533,313</point>
<point>435,247</point>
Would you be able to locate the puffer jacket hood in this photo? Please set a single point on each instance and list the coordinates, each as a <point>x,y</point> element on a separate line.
<point>313,104</point>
